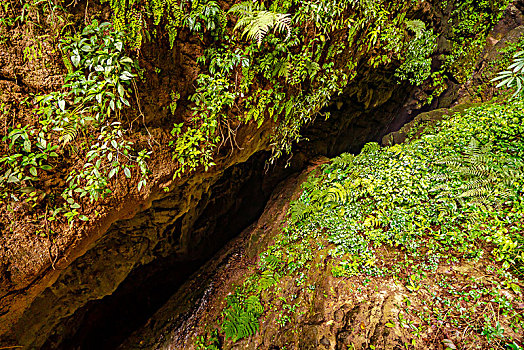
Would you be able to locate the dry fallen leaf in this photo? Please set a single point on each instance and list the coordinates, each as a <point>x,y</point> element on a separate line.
<point>449,344</point>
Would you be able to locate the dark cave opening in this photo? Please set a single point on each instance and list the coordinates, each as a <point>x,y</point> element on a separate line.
<point>230,205</point>
<point>105,323</point>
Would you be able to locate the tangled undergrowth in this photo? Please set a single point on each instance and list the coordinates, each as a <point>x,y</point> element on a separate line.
<point>275,64</point>
<point>451,197</point>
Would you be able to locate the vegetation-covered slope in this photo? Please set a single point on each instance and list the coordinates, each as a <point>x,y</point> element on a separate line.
<point>417,245</point>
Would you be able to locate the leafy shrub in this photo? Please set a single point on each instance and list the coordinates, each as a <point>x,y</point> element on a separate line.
<point>514,76</point>
<point>88,107</point>
<point>99,87</point>
<point>30,153</point>
<point>417,66</point>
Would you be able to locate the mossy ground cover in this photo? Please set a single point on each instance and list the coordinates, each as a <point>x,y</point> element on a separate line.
<point>441,217</point>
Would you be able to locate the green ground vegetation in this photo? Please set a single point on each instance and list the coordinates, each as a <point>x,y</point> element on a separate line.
<point>451,196</point>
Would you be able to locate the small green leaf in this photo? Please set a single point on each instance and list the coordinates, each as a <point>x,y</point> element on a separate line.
<point>127,172</point>
<point>113,172</point>
<point>75,59</point>
<point>120,89</point>
<point>27,146</point>
<point>12,178</point>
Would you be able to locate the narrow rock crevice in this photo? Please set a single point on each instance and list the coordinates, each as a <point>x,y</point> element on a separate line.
<point>139,263</point>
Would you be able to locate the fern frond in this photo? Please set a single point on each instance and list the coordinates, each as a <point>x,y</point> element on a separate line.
<point>256,23</point>
<point>370,147</point>
<point>337,194</point>
<point>312,183</point>
<point>271,262</point>
<point>299,210</point>
<point>243,9</point>
<point>343,161</point>
<point>473,148</point>
<point>478,170</point>
<point>68,131</point>
<point>241,317</point>
<point>478,192</point>
<point>267,280</point>
<point>417,26</point>
<point>483,184</point>
<point>253,305</point>
<point>454,162</point>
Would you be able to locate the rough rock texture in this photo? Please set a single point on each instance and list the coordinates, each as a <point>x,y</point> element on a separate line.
<point>418,124</point>
<point>143,240</point>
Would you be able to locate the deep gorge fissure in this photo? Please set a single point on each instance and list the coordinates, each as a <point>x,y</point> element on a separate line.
<point>104,295</point>
<point>140,262</point>
<point>230,205</point>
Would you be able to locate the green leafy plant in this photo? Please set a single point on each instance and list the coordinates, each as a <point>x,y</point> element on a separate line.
<point>492,332</point>
<point>417,65</point>
<point>105,160</point>
<point>514,76</point>
<point>99,87</point>
<point>209,341</point>
<point>241,317</point>
<point>256,22</point>
<point>205,15</point>
<point>31,154</point>
<point>87,108</point>
<point>470,21</point>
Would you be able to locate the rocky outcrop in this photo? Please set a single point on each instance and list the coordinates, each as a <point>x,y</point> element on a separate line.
<point>75,291</point>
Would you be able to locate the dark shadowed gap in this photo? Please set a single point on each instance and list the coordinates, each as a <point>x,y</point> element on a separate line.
<point>105,323</point>
<point>235,201</point>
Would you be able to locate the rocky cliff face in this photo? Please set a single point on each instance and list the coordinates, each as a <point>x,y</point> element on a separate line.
<point>94,288</point>
<point>161,245</point>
